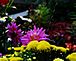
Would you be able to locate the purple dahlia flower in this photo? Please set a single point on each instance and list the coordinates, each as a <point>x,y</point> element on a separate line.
<point>14,33</point>
<point>35,34</point>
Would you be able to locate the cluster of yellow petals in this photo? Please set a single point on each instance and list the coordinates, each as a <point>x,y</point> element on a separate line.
<point>32,45</point>
<point>12,59</point>
<point>44,46</point>
<point>35,45</point>
<point>72,56</point>
<point>39,46</point>
<point>58,59</point>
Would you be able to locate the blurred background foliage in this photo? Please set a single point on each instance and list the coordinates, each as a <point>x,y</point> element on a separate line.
<point>60,10</point>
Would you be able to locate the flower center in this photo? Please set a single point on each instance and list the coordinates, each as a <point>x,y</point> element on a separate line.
<point>35,37</point>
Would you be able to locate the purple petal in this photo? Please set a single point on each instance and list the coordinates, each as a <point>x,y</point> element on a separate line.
<point>8,26</point>
<point>34,28</point>
<point>40,31</point>
<point>44,39</point>
<point>37,29</point>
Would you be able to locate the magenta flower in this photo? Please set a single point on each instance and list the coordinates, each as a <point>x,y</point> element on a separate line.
<point>14,33</point>
<point>35,34</point>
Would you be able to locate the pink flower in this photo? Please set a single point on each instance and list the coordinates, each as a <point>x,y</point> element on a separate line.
<point>35,34</point>
<point>13,32</point>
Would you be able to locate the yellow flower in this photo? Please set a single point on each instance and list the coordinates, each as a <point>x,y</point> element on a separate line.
<point>3,59</point>
<point>67,49</point>
<point>12,55</point>
<point>16,59</point>
<point>72,57</point>
<point>29,59</point>
<point>8,55</point>
<point>43,46</point>
<point>34,58</point>
<point>18,48</point>
<point>9,48</point>
<point>61,49</point>
<point>58,59</point>
<point>32,45</point>
<point>44,42</point>
<point>16,53</point>
<point>23,46</point>
<point>53,46</point>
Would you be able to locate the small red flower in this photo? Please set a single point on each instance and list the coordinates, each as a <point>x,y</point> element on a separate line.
<point>74,47</point>
<point>3,2</point>
<point>59,29</point>
<point>68,45</point>
<point>67,37</point>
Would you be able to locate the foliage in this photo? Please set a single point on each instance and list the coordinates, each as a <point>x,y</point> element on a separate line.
<point>5,6</point>
<point>40,15</point>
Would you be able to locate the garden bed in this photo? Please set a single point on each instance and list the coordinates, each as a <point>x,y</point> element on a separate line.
<point>37,31</point>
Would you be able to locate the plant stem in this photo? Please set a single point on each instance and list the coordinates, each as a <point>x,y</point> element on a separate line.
<point>9,4</point>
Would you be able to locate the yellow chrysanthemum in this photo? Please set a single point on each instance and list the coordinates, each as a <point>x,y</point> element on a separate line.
<point>32,45</point>
<point>12,55</point>
<point>34,58</point>
<point>72,57</point>
<point>53,46</point>
<point>29,59</point>
<point>8,55</point>
<point>44,42</point>
<point>16,59</point>
<point>18,48</point>
<point>67,49</point>
<point>3,59</point>
<point>43,46</point>
<point>16,53</point>
<point>9,48</point>
<point>23,46</point>
<point>58,59</point>
<point>61,49</point>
